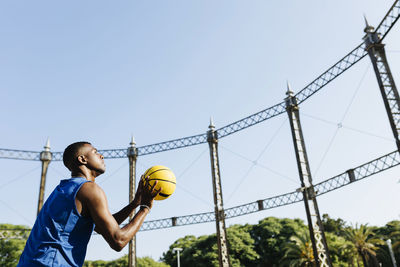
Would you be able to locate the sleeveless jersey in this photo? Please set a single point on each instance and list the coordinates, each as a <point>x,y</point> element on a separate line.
<point>60,234</point>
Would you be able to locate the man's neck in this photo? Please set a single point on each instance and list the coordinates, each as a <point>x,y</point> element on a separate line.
<point>84,174</point>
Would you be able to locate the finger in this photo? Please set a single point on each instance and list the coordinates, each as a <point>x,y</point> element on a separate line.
<point>159,190</point>
<point>153,186</point>
<point>155,192</point>
<point>146,180</point>
<point>140,186</point>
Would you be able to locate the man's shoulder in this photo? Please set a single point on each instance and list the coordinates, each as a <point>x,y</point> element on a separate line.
<point>90,190</point>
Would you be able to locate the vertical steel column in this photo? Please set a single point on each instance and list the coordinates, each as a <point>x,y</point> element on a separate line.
<point>45,158</point>
<point>223,254</point>
<point>317,236</point>
<point>132,156</point>
<point>390,95</point>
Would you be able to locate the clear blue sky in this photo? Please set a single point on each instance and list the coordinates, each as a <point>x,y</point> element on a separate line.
<point>101,71</point>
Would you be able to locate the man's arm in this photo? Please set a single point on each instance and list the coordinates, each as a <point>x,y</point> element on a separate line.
<point>124,213</point>
<point>94,202</point>
<point>121,215</point>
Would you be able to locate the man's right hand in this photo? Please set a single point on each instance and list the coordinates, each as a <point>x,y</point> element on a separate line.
<point>94,204</point>
<point>148,193</point>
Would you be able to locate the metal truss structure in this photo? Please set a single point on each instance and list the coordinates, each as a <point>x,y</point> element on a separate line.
<point>317,235</point>
<point>387,86</point>
<point>375,166</point>
<point>356,174</point>
<point>7,234</point>
<point>222,240</point>
<point>353,175</point>
<point>332,73</point>
<point>389,20</point>
<point>329,75</point>
<point>19,154</point>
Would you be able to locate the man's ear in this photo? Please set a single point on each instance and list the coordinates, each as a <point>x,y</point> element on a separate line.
<point>82,159</point>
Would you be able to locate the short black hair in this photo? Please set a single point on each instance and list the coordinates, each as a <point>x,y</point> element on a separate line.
<point>70,153</point>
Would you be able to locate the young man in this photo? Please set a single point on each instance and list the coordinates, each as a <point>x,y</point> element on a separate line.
<point>78,205</point>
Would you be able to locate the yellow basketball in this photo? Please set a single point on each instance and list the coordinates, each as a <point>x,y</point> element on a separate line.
<point>165,179</point>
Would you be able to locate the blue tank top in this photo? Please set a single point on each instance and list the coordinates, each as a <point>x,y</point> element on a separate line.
<point>60,234</point>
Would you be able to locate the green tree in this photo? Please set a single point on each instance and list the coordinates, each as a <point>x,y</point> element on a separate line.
<point>203,251</point>
<point>336,226</point>
<point>390,231</point>
<point>339,250</point>
<point>199,252</point>
<point>11,249</point>
<point>299,251</point>
<point>364,243</point>
<point>149,262</point>
<point>123,261</point>
<point>241,246</point>
<point>97,263</point>
<point>394,234</point>
<point>271,236</point>
<point>266,244</point>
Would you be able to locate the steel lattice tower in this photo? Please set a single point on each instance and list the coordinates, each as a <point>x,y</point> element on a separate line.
<point>317,236</point>
<point>223,254</point>
<point>132,157</point>
<point>390,95</point>
<point>45,158</point>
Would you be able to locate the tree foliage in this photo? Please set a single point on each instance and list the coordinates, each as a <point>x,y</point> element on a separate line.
<point>364,243</point>
<point>123,261</point>
<point>241,246</point>
<point>299,251</point>
<point>272,242</point>
<point>335,226</point>
<point>203,251</point>
<point>11,249</point>
<point>390,231</point>
<point>271,235</point>
<point>285,242</point>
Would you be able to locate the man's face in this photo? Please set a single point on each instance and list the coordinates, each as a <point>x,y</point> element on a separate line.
<point>95,161</point>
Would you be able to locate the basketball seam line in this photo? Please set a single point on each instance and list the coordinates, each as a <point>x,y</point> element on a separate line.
<point>158,179</point>
<point>146,175</point>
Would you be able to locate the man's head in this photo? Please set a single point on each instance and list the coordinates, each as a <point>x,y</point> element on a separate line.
<point>83,154</point>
